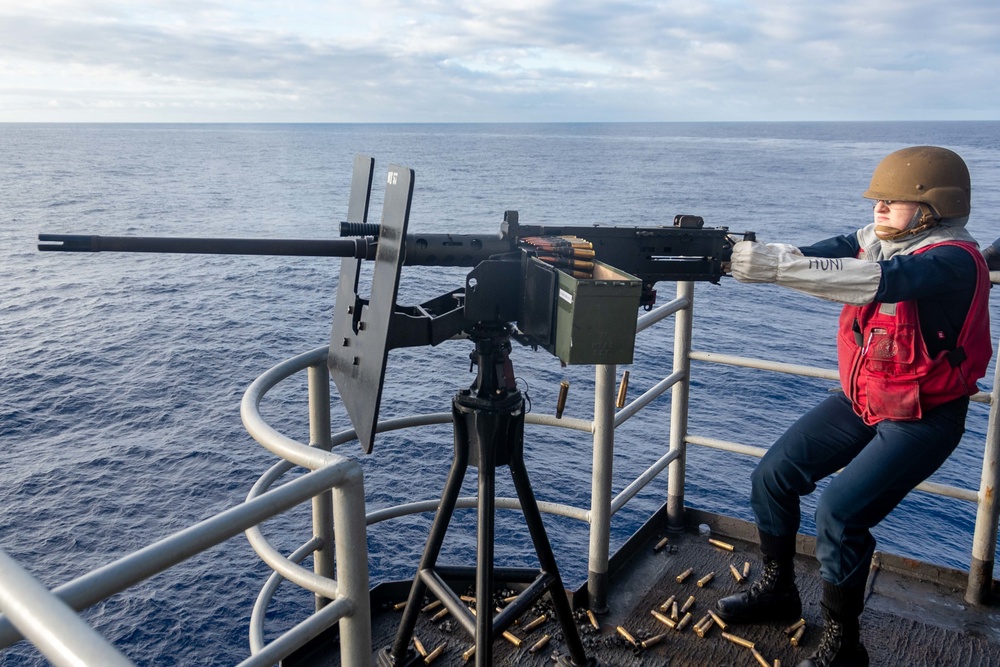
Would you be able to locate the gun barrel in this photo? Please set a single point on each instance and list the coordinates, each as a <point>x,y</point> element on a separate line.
<point>354,247</point>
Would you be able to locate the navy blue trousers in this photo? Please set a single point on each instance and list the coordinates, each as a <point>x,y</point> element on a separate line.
<point>881,464</point>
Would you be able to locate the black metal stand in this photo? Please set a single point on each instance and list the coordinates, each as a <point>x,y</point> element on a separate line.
<point>489,432</point>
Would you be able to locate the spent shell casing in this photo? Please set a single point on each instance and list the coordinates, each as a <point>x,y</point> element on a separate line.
<point>777,662</point>
<point>435,654</point>
<point>528,627</point>
<point>512,638</point>
<point>698,630</point>
<point>797,637</point>
<point>687,604</point>
<point>683,622</point>
<point>761,659</point>
<point>721,544</point>
<point>718,619</point>
<point>561,402</point>
<point>469,653</point>
<point>441,614</point>
<point>540,644</point>
<point>431,606</point>
<point>662,543</point>
<point>790,630</point>
<point>705,621</point>
<point>673,612</point>
<point>593,620</point>
<point>684,575</point>
<point>746,569</point>
<point>399,605</point>
<point>668,603</point>
<point>666,620</point>
<point>420,646</point>
<point>653,641</point>
<point>704,580</point>
<point>736,574</point>
<point>466,598</point>
<point>510,598</point>
<point>622,391</point>
<point>738,640</point>
<point>626,634</point>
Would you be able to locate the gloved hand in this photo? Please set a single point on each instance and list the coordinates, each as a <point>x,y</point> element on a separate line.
<point>840,279</point>
<point>754,262</point>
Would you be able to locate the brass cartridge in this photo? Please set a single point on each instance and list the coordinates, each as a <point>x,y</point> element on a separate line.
<point>510,598</point>
<point>673,612</point>
<point>512,638</point>
<point>539,645</point>
<point>466,598</point>
<point>666,620</point>
<point>705,621</point>
<point>667,604</point>
<point>399,605</point>
<point>627,635</point>
<point>746,569</point>
<point>683,622</point>
<point>760,658</point>
<point>718,619</point>
<point>790,630</point>
<point>704,580</point>
<point>435,654</point>
<point>593,620</point>
<point>469,653</point>
<point>561,403</point>
<point>662,543</point>
<point>622,391</point>
<point>736,574</point>
<point>684,575</point>
<point>420,646</point>
<point>777,662</point>
<point>528,627</point>
<point>797,637</point>
<point>441,614</point>
<point>738,640</point>
<point>688,604</point>
<point>721,544</point>
<point>653,641</point>
<point>431,606</point>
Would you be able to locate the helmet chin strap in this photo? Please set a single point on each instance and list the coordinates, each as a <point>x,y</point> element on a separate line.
<point>922,220</point>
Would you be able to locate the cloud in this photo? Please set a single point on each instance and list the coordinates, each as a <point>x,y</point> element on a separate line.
<point>427,60</point>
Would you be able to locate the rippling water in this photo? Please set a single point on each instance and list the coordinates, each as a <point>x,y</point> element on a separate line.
<point>121,375</point>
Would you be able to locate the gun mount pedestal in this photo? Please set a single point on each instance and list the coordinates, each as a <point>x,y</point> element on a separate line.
<point>489,433</point>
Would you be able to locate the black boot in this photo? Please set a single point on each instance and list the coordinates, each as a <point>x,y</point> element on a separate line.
<point>773,597</point>
<point>841,644</point>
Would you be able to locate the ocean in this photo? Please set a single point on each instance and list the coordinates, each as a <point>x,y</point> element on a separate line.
<point>121,375</point>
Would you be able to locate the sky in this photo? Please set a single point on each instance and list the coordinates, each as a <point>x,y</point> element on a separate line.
<point>503,61</point>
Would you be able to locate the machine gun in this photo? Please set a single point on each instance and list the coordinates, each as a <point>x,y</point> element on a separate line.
<point>571,290</point>
<point>581,320</point>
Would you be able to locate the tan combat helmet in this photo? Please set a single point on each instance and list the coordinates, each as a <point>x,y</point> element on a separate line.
<point>929,175</point>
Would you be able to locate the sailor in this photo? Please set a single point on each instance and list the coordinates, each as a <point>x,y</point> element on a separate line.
<point>913,339</point>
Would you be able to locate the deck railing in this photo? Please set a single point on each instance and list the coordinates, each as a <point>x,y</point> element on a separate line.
<point>336,489</point>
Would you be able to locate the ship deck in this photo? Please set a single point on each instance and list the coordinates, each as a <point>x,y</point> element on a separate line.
<point>915,613</point>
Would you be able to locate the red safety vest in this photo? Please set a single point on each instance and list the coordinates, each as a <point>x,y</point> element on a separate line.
<point>885,368</point>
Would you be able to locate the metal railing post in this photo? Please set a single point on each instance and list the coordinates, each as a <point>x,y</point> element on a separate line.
<point>984,539</point>
<point>679,395</point>
<point>322,505</point>
<point>352,570</point>
<point>600,489</point>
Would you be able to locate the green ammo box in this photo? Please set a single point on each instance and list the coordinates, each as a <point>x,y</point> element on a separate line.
<point>595,318</point>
